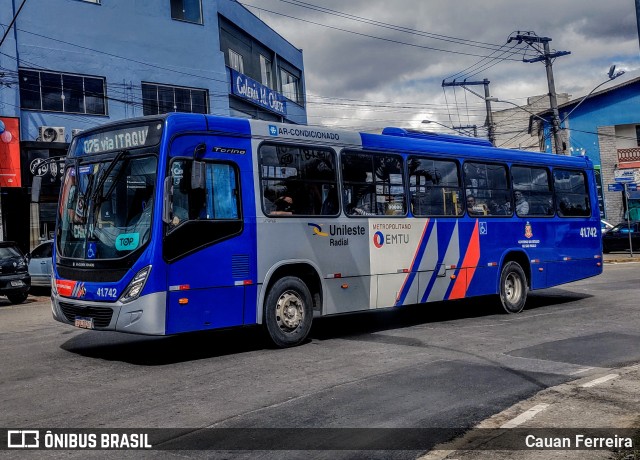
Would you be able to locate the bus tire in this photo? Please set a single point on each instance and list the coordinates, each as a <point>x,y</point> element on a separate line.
<point>288,312</point>
<point>513,287</point>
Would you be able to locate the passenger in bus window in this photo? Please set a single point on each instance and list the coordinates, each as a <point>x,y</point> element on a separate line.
<point>522,205</point>
<point>496,209</point>
<point>283,206</point>
<point>471,202</point>
<point>366,203</point>
<point>476,208</point>
<point>330,203</point>
<point>180,214</point>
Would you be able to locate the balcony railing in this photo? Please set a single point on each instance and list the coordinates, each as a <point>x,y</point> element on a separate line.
<point>628,155</point>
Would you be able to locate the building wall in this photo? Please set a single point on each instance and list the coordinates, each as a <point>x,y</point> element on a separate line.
<point>512,124</point>
<point>617,107</point>
<point>127,42</point>
<point>614,211</point>
<point>626,136</point>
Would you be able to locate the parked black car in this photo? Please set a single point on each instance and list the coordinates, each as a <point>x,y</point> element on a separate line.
<point>617,239</point>
<point>14,275</point>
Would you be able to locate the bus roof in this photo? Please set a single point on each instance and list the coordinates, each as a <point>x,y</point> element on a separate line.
<point>391,139</point>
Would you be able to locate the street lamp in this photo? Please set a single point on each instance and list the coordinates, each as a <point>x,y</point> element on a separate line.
<point>426,122</point>
<point>612,76</point>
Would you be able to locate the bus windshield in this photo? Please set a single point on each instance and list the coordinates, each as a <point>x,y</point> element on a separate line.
<point>106,207</point>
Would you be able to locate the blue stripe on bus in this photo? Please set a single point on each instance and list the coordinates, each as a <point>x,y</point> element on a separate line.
<point>442,251</point>
<point>426,235</point>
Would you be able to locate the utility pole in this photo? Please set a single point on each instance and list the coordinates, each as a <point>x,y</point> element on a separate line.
<point>485,83</point>
<point>638,17</point>
<point>463,128</point>
<point>531,39</point>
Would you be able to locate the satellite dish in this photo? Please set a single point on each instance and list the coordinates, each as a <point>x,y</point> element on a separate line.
<point>49,135</point>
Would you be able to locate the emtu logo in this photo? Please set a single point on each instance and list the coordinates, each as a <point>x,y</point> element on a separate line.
<point>378,239</point>
<point>317,230</point>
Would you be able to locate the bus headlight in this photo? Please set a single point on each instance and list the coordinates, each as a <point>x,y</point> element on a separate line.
<point>136,285</point>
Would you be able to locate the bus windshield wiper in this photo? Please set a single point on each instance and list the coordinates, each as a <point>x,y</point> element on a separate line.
<point>105,174</point>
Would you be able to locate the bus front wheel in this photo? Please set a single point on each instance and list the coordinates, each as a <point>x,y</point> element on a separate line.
<point>513,288</point>
<point>288,312</point>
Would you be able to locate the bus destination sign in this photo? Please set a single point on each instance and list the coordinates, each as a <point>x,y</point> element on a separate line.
<point>118,139</point>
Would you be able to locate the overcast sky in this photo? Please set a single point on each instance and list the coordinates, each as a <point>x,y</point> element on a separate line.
<point>366,76</point>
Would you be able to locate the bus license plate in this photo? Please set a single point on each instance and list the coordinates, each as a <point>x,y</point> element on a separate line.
<point>84,323</point>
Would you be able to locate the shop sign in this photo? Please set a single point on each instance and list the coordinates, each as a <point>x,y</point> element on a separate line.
<point>250,90</point>
<point>10,152</point>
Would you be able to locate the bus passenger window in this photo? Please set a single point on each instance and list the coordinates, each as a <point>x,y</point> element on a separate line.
<point>487,184</point>
<point>217,201</point>
<point>373,184</point>
<point>532,191</point>
<point>297,180</point>
<point>434,187</point>
<point>571,194</point>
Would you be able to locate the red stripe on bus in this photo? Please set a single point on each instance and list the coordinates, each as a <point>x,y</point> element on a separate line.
<point>470,263</point>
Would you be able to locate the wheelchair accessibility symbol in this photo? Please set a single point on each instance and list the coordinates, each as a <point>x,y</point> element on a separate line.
<point>483,228</point>
<point>91,250</point>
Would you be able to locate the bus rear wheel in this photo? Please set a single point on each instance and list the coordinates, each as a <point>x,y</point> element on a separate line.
<point>513,288</point>
<point>288,312</point>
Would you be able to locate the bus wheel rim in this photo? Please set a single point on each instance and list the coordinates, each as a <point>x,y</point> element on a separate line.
<point>289,311</point>
<point>512,288</point>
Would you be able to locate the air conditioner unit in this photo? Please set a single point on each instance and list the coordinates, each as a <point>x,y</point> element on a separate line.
<point>75,132</point>
<point>51,133</point>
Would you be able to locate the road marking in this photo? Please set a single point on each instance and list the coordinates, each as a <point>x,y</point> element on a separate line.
<point>437,454</point>
<point>580,371</point>
<point>595,382</point>
<point>525,416</point>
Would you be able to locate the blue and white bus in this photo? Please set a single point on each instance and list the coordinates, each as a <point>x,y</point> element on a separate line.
<point>191,222</point>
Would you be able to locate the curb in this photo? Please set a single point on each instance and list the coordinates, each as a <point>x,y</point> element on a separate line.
<point>622,261</point>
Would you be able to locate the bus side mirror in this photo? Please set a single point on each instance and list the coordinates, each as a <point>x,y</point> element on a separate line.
<point>166,201</point>
<point>198,168</point>
<point>197,175</point>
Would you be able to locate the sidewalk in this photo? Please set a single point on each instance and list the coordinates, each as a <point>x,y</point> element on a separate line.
<point>609,398</point>
<point>621,257</point>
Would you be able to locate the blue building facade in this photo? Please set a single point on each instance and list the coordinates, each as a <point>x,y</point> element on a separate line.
<point>604,126</point>
<point>68,65</point>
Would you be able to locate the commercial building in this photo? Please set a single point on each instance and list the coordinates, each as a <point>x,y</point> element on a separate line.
<point>605,127</point>
<point>69,65</point>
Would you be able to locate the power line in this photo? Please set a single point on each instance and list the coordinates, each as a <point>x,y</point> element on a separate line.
<point>447,38</point>
<point>15,17</point>
<point>367,35</point>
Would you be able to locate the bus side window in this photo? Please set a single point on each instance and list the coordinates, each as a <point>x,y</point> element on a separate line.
<point>571,194</point>
<point>434,187</point>
<point>532,191</point>
<point>298,180</point>
<point>487,184</point>
<point>217,201</point>
<point>373,184</point>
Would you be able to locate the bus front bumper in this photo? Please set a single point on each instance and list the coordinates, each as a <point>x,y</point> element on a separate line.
<point>144,315</point>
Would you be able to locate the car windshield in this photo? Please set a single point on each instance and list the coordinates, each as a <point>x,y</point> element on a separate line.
<point>105,207</point>
<point>8,252</point>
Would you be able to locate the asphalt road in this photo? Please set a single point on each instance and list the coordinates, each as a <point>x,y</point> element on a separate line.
<point>446,366</point>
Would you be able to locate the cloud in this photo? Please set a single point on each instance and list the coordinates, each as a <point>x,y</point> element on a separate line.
<point>364,63</point>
